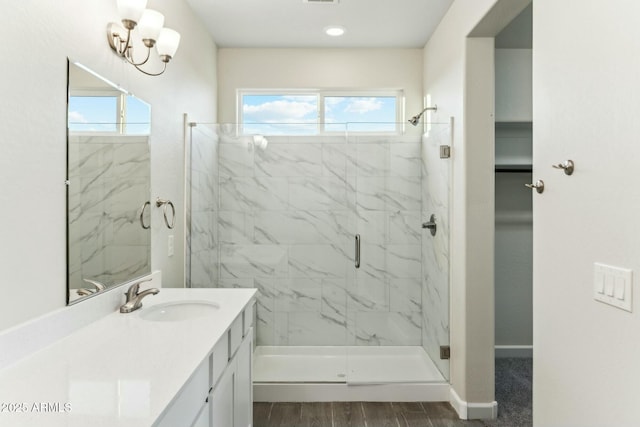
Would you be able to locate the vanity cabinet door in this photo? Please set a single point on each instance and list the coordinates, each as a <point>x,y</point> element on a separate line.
<point>221,399</point>
<point>231,400</point>
<point>189,402</point>
<point>243,401</point>
<point>204,417</point>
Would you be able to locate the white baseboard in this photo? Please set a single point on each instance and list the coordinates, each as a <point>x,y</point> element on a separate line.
<point>326,392</point>
<point>473,411</point>
<point>502,351</point>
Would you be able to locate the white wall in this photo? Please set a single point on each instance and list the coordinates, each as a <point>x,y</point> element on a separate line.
<point>318,68</point>
<point>444,84</point>
<point>33,162</point>
<point>448,82</point>
<point>586,99</point>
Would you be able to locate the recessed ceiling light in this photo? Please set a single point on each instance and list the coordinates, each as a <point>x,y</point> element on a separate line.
<point>334,30</point>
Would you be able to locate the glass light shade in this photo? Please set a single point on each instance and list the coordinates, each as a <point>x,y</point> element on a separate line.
<point>150,24</point>
<point>168,42</point>
<point>131,9</point>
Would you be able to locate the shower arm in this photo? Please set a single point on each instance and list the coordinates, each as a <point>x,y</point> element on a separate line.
<point>415,119</point>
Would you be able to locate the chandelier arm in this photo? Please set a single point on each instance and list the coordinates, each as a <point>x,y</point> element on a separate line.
<point>125,49</point>
<point>125,52</point>
<point>129,57</point>
<point>150,74</point>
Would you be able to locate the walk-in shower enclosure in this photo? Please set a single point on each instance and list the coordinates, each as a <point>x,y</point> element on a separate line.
<point>288,215</point>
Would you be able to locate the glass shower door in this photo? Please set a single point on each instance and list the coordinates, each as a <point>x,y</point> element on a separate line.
<point>281,228</point>
<point>436,193</point>
<point>392,322</point>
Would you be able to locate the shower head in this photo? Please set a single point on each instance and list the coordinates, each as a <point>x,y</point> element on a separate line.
<point>416,119</point>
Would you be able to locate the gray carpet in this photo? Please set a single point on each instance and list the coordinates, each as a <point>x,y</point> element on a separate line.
<point>513,392</point>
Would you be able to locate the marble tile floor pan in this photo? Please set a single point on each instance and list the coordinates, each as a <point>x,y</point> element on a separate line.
<point>349,364</point>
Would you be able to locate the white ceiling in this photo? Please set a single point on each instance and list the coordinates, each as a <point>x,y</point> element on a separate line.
<point>295,23</point>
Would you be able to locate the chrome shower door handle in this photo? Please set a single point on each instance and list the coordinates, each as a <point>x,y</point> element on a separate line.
<point>144,207</point>
<point>357,251</point>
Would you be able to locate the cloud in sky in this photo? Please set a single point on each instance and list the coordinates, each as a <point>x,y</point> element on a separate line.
<point>282,111</point>
<point>301,98</point>
<point>363,105</point>
<point>77,117</point>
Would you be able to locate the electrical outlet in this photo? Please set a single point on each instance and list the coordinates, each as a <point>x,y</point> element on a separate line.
<point>170,245</point>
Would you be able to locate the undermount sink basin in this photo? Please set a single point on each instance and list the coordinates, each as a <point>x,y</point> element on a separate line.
<point>178,310</point>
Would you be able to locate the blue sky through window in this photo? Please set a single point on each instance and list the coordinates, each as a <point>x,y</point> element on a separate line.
<point>280,114</point>
<point>93,113</point>
<point>138,117</point>
<point>271,114</point>
<point>100,114</point>
<point>363,113</point>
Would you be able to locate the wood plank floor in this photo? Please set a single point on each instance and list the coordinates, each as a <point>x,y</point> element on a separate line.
<point>357,414</point>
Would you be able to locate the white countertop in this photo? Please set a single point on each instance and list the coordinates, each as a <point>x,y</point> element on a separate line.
<point>118,371</point>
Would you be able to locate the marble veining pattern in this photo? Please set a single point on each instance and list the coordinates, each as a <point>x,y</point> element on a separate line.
<point>203,228</point>
<point>435,250</point>
<point>286,218</point>
<point>109,181</point>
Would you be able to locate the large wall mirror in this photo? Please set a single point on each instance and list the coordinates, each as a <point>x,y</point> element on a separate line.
<point>108,185</point>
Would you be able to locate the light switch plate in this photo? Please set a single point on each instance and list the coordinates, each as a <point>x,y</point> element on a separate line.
<point>170,245</point>
<point>612,285</point>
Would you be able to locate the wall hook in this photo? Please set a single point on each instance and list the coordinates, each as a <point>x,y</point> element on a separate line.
<point>567,166</point>
<point>539,186</point>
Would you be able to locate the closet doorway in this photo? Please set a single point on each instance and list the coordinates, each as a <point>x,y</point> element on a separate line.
<point>513,259</point>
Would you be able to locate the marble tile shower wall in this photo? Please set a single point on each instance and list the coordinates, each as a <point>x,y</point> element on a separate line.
<point>287,220</point>
<point>202,220</point>
<point>435,249</point>
<point>109,181</point>
<point>385,297</point>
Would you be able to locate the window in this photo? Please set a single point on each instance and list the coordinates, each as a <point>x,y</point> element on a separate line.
<point>271,114</point>
<point>363,113</point>
<point>316,112</point>
<point>93,113</point>
<point>108,112</point>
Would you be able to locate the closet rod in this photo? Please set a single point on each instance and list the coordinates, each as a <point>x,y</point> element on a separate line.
<point>514,169</point>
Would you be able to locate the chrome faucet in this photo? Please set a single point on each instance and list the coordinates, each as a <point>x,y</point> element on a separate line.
<point>84,291</point>
<point>134,298</point>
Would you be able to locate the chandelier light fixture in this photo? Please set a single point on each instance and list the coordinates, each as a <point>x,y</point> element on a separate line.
<point>150,29</point>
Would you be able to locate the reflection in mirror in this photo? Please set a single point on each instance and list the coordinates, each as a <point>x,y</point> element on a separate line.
<point>108,192</point>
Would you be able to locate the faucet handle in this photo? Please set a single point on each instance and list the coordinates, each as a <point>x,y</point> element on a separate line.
<point>99,286</point>
<point>142,281</point>
<point>134,289</point>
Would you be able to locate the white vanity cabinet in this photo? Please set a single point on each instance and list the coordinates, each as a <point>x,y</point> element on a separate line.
<point>190,370</point>
<point>232,397</point>
<point>190,403</point>
<point>220,392</point>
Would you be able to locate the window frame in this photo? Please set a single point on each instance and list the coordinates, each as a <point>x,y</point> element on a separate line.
<point>120,108</point>
<point>321,94</point>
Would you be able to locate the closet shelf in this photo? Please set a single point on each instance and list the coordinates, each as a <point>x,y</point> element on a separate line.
<point>514,168</point>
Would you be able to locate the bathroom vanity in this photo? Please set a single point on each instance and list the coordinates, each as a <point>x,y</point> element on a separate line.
<point>183,359</point>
